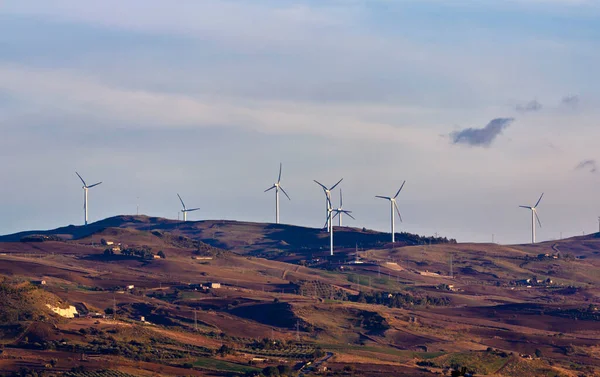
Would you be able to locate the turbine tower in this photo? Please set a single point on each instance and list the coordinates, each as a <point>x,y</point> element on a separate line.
<point>393,206</point>
<point>327,192</point>
<point>330,211</point>
<point>85,197</point>
<point>185,210</point>
<point>534,216</point>
<point>277,186</point>
<point>339,211</point>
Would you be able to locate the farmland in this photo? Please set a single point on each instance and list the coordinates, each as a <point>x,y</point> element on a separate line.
<point>232,298</point>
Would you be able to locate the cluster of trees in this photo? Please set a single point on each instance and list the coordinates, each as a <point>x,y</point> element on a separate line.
<point>398,300</point>
<point>272,371</point>
<point>372,322</point>
<point>142,252</point>
<point>415,239</point>
<point>40,238</point>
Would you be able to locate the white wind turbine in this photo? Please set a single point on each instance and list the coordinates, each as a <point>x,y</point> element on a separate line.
<point>327,192</point>
<point>277,186</point>
<point>185,210</point>
<point>85,197</point>
<point>393,206</point>
<point>534,216</point>
<point>330,211</point>
<point>339,211</point>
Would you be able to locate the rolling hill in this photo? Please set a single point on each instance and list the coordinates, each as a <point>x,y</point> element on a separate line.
<point>226,293</point>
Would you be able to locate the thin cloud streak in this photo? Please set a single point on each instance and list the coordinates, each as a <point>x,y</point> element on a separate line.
<point>588,165</point>
<point>531,106</point>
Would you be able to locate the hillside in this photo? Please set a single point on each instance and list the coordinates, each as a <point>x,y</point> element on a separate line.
<point>241,237</point>
<point>225,293</point>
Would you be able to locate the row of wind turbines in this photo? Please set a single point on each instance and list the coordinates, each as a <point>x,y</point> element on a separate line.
<point>331,212</point>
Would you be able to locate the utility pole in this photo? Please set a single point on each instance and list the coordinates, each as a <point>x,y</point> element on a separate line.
<point>195,319</point>
<point>379,271</point>
<point>451,267</point>
<point>114,308</point>
<point>298,330</point>
<point>492,238</point>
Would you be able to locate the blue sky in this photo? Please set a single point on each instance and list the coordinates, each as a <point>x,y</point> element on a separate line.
<point>205,98</point>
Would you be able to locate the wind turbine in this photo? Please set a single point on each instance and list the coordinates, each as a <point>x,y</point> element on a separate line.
<point>393,206</point>
<point>185,210</point>
<point>327,192</point>
<point>277,186</point>
<point>85,196</point>
<point>330,211</point>
<point>341,210</point>
<point>534,216</point>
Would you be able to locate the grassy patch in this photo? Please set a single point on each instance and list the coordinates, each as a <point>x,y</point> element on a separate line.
<point>220,365</point>
<point>479,362</point>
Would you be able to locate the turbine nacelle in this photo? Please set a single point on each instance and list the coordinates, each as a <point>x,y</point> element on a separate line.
<point>185,210</point>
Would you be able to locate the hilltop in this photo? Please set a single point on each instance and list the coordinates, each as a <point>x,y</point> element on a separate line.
<point>210,297</point>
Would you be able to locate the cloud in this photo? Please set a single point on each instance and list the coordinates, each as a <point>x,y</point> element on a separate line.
<point>72,95</point>
<point>481,137</point>
<point>530,106</point>
<point>589,165</point>
<point>571,101</point>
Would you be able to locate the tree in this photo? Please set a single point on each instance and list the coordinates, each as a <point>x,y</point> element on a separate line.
<point>161,254</point>
<point>271,371</point>
<point>538,352</point>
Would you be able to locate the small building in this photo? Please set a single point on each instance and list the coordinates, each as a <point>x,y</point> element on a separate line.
<point>38,282</point>
<point>130,287</point>
<point>156,256</point>
<point>196,257</point>
<point>142,319</point>
<point>213,285</point>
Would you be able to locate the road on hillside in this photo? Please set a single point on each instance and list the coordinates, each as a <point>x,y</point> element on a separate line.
<point>309,369</point>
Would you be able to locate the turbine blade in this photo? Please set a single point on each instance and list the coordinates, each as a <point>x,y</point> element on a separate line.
<point>537,217</point>
<point>539,200</point>
<point>270,188</point>
<point>81,179</point>
<point>341,199</point>
<point>329,203</point>
<point>398,210</point>
<point>286,194</point>
<point>193,209</point>
<point>525,207</point>
<point>95,184</point>
<point>320,184</point>
<point>181,200</point>
<point>398,193</point>
<point>334,186</point>
<point>336,214</point>
<point>326,222</point>
<point>383,197</point>
<point>347,213</point>
<point>279,179</point>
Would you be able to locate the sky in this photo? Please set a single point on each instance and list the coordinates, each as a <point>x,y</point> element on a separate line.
<point>479,105</point>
